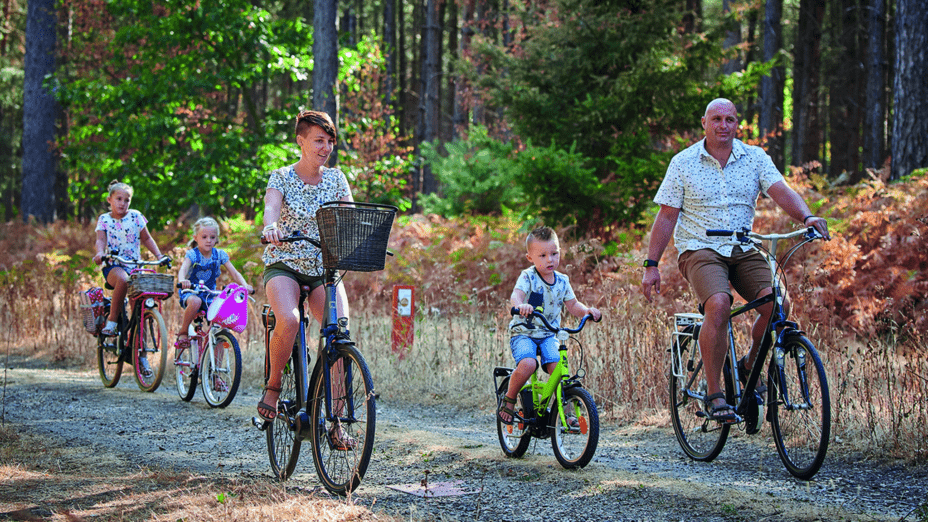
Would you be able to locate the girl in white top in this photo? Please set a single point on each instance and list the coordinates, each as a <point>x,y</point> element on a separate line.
<point>124,231</point>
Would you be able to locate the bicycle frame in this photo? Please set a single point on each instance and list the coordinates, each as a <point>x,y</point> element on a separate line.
<point>542,392</point>
<point>779,325</point>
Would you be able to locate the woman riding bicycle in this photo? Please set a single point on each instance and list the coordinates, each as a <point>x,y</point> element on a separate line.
<point>294,194</point>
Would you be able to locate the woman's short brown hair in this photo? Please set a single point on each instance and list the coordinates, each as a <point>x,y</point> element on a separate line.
<point>306,119</point>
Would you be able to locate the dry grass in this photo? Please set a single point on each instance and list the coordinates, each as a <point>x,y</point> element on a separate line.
<point>463,273</point>
<point>37,483</point>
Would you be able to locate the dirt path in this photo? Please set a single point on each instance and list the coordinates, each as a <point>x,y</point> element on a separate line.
<point>639,473</point>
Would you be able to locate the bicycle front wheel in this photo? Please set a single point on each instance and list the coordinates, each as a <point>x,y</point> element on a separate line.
<point>222,370</point>
<point>108,360</point>
<point>701,439</point>
<point>185,370</point>
<point>283,446</point>
<point>513,438</point>
<point>150,350</point>
<point>343,426</point>
<point>574,446</point>
<point>800,407</point>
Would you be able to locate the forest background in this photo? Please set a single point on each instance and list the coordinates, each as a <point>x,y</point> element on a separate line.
<point>478,118</point>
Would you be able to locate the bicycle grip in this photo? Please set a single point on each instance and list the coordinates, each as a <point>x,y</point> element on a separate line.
<point>717,233</point>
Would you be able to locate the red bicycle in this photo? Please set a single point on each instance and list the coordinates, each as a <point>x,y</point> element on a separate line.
<point>141,338</point>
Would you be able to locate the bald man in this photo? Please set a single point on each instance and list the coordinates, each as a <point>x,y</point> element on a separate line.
<point>714,184</point>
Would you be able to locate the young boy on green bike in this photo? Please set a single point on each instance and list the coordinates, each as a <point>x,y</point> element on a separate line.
<point>541,288</point>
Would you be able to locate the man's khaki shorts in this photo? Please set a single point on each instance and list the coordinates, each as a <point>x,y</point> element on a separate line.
<point>709,273</point>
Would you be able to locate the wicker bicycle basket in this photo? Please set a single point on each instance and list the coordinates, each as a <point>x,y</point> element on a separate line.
<point>355,238</point>
<point>150,283</point>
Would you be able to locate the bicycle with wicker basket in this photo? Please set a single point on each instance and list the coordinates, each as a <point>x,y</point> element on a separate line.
<point>140,334</point>
<point>336,402</point>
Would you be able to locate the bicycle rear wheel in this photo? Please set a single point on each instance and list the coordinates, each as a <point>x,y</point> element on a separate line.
<point>574,447</point>
<point>283,445</point>
<point>513,438</point>
<point>701,439</point>
<point>109,363</point>
<point>343,437</point>
<point>185,370</point>
<point>222,370</point>
<point>800,407</point>
<point>153,347</point>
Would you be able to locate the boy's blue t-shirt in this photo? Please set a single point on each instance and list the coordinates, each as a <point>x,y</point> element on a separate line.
<point>206,270</point>
<point>546,298</point>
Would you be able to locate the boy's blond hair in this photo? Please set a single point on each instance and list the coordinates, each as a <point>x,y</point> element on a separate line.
<point>540,234</point>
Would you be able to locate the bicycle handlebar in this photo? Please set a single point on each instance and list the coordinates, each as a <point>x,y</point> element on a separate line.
<point>515,311</point>
<point>746,236</point>
<point>293,238</point>
<point>109,258</point>
<point>200,287</point>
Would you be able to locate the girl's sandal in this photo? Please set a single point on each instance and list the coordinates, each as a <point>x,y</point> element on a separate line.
<point>506,406</point>
<point>264,406</point>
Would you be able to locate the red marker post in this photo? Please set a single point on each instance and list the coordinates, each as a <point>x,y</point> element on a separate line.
<point>404,313</point>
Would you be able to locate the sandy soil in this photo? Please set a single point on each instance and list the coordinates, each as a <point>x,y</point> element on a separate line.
<point>638,473</point>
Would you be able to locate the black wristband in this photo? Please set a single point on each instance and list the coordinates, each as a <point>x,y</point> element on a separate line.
<point>807,218</point>
<point>648,263</point>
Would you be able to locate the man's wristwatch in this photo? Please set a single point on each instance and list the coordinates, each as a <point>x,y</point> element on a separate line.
<point>649,262</point>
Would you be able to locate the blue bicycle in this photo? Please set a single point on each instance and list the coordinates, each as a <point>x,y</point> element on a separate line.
<point>334,407</point>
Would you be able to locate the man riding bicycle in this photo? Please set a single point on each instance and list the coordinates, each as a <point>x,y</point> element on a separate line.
<point>714,184</point>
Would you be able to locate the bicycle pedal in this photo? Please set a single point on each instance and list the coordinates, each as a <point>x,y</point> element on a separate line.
<point>260,423</point>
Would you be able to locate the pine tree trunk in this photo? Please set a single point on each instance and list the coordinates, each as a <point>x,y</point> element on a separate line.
<point>771,86</point>
<point>39,112</point>
<point>910,88</point>
<point>874,150</point>
<point>325,58</point>
<point>807,131</point>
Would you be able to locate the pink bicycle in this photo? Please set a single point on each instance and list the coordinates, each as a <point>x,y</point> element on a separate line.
<point>214,357</point>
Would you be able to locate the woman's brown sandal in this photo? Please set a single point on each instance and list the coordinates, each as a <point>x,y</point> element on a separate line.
<point>264,406</point>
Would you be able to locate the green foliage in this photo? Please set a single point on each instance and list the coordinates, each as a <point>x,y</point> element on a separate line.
<point>478,176</point>
<point>162,111</point>
<point>606,80</point>
<point>376,165</point>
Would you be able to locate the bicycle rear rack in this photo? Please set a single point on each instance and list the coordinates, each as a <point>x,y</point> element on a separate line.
<point>685,325</point>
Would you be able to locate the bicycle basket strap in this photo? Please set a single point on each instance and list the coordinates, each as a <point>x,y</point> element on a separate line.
<point>354,238</point>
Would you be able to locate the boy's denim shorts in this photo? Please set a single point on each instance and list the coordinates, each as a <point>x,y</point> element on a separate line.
<point>524,347</point>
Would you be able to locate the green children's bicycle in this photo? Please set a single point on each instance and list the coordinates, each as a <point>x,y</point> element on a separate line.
<point>559,408</point>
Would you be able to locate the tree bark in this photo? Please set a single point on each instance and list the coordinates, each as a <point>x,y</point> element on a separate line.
<point>874,149</point>
<point>431,79</point>
<point>39,112</point>
<point>459,118</point>
<point>771,86</point>
<point>844,89</point>
<point>389,47</point>
<point>732,39</point>
<point>807,131</point>
<point>692,16</point>
<point>910,89</point>
<point>325,58</point>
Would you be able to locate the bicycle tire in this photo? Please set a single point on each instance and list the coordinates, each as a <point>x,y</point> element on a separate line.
<point>154,344</point>
<point>283,444</point>
<point>354,412</point>
<point>185,371</point>
<point>109,362</point>
<point>801,435</point>
<point>574,448</point>
<point>221,375</point>
<point>700,438</point>
<point>513,438</point>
